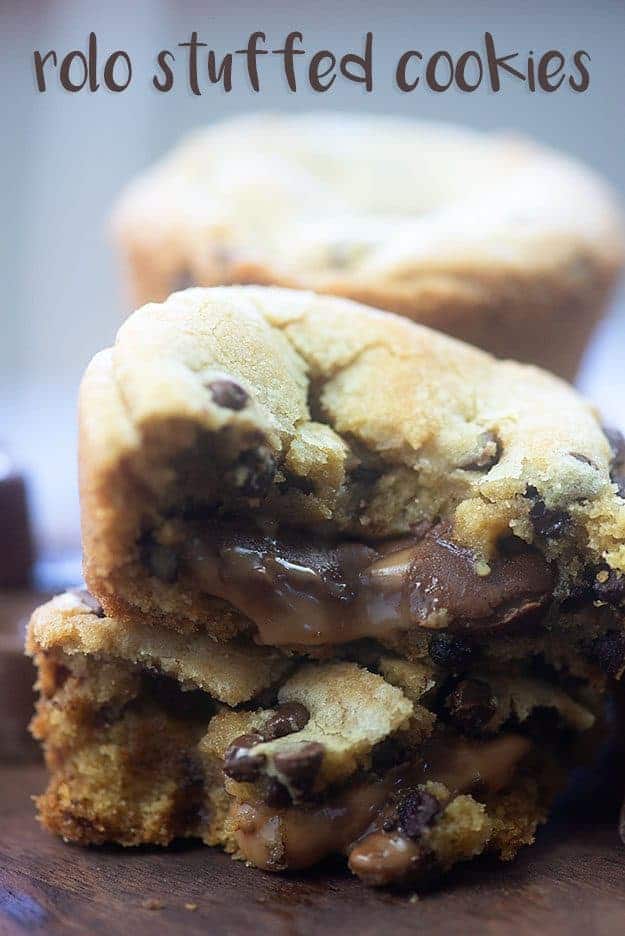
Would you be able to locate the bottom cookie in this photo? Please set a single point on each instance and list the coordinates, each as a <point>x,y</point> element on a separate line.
<point>403,767</point>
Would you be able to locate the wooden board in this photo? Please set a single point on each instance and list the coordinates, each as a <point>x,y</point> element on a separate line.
<point>571,882</point>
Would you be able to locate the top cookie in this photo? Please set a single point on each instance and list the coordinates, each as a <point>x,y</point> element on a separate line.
<point>225,422</point>
<point>487,237</point>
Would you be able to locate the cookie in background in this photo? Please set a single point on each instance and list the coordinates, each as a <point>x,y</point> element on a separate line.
<point>489,237</point>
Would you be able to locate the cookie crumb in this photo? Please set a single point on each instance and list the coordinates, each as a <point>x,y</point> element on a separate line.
<point>482,568</point>
<point>190,906</point>
<point>414,898</point>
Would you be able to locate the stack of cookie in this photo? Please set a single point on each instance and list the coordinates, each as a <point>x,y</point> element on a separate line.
<point>354,588</point>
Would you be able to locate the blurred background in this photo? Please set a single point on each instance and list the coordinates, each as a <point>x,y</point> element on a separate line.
<point>66,156</point>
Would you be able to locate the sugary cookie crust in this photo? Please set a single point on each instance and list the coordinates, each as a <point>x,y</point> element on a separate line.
<point>332,390</point>
<point>351,710</point>
<point>516,253</point>
<point>232,672</point>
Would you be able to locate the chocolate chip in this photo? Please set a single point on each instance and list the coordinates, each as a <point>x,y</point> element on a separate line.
<point>416,811</point>
<point>451,651</point>
<point>471,705</point>
<point>86,598</point>
<point>582,458</point>
<point>388,753</point>
<point>545,521</point>
<point>442,574</point>
<point>595,584</point>
<point>365,474</point>
<point>609,652</point>
<point>288,718</point>
<point>300,765</point>
<point>297,483</point>
<point>609,586</point>
<point>190,794</point>
<point>489,455</point>
<point>228,394</point>
<point>276,794</point>
<point>254,472</point>
<point>240,763</point>
<point>162,561</point>
<point>580,592</point>
<point>509,546</point>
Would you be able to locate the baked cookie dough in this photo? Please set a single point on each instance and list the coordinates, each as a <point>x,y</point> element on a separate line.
<point>354,588</point>
<point>308,472</point>
<point>405,768</point>
<point>488,237</point>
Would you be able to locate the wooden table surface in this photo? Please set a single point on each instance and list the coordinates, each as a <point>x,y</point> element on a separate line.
<point>571,882</point>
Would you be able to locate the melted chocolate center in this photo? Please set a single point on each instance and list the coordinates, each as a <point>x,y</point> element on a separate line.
<point>303,590</point>
<point>295,837</point>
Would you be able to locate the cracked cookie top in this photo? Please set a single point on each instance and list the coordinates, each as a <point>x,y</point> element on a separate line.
<point>330,719</point>
<point>223,412</point>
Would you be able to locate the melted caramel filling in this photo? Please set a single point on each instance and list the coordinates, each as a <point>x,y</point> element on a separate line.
<point>383,858</point>
<point>301,592</point>
<point>298,837</point>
